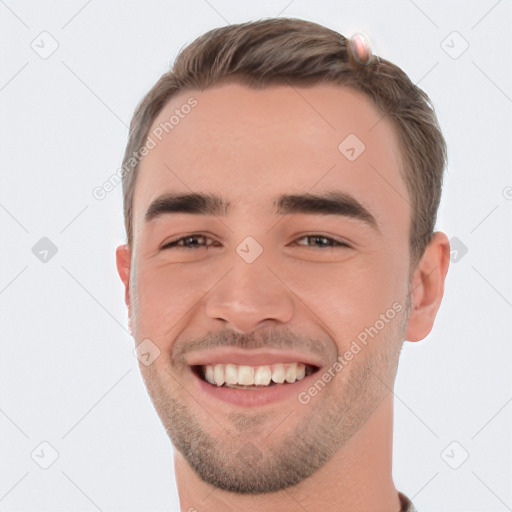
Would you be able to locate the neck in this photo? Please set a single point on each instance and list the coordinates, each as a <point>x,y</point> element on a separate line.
<point>358,478</point>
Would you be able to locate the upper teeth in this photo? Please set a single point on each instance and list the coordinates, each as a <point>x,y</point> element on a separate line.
<point>254,375</point>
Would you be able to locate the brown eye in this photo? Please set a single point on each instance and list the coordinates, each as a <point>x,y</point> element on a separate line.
<point>331,243</point>
<point>188,243</point>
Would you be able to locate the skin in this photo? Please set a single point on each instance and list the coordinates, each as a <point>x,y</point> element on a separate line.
<point>334,453</point>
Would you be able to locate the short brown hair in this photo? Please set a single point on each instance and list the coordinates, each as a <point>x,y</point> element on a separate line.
<point>299,52</point>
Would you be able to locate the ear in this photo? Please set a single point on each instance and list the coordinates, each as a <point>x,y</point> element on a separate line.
<point>426,288</point>
<point>123,262</point>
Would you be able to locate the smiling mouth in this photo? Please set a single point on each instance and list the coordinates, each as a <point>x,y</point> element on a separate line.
<point>253,377</point>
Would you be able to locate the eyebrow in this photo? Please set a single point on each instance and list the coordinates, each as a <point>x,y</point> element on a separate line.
<point>326,203</point>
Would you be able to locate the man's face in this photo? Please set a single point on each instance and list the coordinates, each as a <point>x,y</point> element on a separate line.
<point>259,288</point>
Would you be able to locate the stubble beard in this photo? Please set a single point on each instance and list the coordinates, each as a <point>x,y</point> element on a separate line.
<point>242,457</point>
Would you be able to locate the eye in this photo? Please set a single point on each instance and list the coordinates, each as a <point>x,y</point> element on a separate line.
<point>321,238</point>
<point>186,239</point>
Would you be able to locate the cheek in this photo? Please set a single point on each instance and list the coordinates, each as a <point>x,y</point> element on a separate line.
<point>347,297</point>
<point>165,294</point>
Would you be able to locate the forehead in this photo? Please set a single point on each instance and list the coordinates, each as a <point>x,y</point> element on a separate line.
<point>251,145</point>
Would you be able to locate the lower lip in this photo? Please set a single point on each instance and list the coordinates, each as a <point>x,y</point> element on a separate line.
<point>254,397</point>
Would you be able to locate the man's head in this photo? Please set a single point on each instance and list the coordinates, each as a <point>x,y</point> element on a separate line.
<point>278,137</point>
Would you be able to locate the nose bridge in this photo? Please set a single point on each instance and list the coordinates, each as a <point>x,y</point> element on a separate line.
<point>250,294</point>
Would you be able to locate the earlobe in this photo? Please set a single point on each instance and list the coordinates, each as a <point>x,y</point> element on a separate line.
<point>427,287</point>
<point>123,262</point>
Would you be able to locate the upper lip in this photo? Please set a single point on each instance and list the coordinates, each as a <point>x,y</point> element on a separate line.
<point>251,357</point>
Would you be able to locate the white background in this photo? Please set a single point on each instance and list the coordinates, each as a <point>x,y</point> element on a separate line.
<point>67,372</point>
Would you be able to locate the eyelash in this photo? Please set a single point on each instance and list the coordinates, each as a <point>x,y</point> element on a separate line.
<point>173,243</point>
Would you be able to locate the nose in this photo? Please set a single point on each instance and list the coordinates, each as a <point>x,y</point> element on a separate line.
<point>250,296</point>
